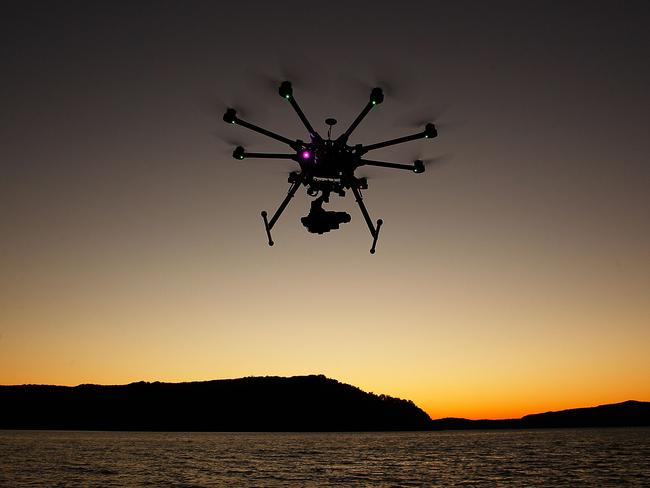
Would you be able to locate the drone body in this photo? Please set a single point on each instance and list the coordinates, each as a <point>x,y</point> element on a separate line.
<point>327,166</point>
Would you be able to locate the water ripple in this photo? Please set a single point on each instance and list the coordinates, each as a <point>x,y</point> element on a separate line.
<point>580,457</point>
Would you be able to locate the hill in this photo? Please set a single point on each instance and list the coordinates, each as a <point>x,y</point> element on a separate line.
<point>271,403</point>
<point>299,403</point>
<point>626,414</point>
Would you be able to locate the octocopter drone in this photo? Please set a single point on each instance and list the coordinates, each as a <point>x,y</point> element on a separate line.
<point>327,166</point>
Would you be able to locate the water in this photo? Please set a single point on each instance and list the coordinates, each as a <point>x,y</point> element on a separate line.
<point>580,457</point>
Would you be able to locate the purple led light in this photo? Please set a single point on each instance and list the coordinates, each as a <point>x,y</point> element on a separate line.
<point>306,155</point>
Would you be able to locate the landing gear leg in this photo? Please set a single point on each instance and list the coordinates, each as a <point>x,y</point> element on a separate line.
<point>374,231</point>
<point>268,225</point>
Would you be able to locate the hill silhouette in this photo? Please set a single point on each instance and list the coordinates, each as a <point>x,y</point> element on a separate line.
<point>625,414</point>
<point>299,403</point>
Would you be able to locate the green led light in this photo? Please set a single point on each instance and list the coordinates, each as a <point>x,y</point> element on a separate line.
<point>374,103</point>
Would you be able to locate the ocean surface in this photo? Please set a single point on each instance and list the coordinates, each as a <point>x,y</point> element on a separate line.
<point>554,458</point>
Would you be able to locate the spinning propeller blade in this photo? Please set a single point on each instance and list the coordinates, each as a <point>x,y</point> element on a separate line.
<point>395,83</point>
<point>298,71</point>
<point>420,118</point>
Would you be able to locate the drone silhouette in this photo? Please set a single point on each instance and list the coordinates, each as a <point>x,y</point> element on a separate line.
<point>327,166</point>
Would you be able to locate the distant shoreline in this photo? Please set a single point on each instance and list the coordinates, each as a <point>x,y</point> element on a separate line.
<point>262,404</point>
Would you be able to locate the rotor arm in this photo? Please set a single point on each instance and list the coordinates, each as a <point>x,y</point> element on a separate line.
<point>416,167</point>
<point>360,117</point>
<point>240,153</point>
<point>374,231</point>
<point>429,132</point>
<point>231,117</point>
<point>376,97</point>
<point>268,224</point>
<point>270,156</point>
<point>310,129</point>
<point>286,91</point>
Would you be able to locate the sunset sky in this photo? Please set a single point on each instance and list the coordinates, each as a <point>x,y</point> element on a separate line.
<point>512,277</point>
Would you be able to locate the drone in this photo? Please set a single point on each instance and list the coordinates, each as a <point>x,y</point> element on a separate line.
<point>327,166</point>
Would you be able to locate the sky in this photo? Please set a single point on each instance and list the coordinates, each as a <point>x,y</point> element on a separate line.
<point>512,277</point>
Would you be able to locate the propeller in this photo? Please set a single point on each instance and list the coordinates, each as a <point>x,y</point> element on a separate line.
<point>229,139</point>
<point>214,107</point>
<point>418,119</point>
<point>300,72</point>
<point>396,84</point>
<point>428,162</point>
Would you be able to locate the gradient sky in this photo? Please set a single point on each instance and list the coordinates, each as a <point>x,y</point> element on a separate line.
<point>511,278</point>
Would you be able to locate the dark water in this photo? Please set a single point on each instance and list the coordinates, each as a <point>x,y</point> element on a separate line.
<point>581,457</point>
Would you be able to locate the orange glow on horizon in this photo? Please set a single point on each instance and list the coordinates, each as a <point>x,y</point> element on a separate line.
<point>508,352</point>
